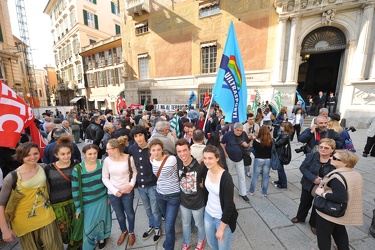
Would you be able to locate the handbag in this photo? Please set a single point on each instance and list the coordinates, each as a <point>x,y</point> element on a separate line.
<point>77,224</point>
<point>286,154</point>
<point>14,198</point>
<point>275,161</point>
<point>331,208</point>
<point>247,159</point>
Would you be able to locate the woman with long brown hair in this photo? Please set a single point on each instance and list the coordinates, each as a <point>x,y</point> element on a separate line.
<point>262,161</point>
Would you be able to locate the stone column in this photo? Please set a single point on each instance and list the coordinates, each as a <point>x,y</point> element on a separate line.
<point>360,58</point>
<point>280,55</point>
<point>291,66</point>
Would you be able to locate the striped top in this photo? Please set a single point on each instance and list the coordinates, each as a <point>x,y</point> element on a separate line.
<point>168,183</point>
<point>93,188</point>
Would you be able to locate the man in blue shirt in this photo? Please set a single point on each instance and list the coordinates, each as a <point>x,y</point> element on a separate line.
<point>235,143</point>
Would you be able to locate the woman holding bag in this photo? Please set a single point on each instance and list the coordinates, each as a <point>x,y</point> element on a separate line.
<point>313,169</point>
<point>97,221</point>
<point>348,190</point>
<point>281,141</point>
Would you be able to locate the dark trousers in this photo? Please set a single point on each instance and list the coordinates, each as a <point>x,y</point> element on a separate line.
<point>325,229</point>
<point>370,146</point>
<point>304,207</point>
<point>297,129</point>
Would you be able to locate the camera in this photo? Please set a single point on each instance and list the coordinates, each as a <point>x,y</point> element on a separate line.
<point>301,149</point>
<point>351,128</point>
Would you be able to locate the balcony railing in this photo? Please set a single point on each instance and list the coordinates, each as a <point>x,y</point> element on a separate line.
<point>137,6</point>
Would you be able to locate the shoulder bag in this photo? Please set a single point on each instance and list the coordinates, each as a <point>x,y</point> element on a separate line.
<point>77,224</point>
<point>275,161</point>
<point>161,166</point>
<point>331,208</point>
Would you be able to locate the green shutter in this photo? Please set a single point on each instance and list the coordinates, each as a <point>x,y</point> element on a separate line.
<point>118,29</point>
<point>1,35</point>
<point>96,22</point>
<point>113,8</point>
<point>85,21</point>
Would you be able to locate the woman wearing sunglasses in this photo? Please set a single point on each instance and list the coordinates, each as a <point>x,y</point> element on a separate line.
<point>313,169</point>
<point>333,188</point>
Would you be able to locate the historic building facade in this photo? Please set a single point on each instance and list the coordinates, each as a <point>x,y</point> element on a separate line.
<point>173,48</point>
<point>76,24</point>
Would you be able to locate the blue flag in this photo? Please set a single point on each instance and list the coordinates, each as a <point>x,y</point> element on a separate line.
<point>192,98</point>
<point>299,97</point>
<point>230,90</point>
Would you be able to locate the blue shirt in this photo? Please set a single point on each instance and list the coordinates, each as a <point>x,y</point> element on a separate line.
<point>233,145</point>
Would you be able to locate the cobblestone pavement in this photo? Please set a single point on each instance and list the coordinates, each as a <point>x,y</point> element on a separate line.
<point>264,223</point>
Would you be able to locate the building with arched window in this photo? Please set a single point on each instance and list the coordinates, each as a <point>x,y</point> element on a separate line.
<point>173,48</point>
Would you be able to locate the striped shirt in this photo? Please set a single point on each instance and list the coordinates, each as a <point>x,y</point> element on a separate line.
<point>93,188</point>
<point>168,183</point>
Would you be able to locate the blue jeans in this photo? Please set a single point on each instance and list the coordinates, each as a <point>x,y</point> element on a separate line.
<point>211,225</point>
<point>169,207</point>
<point>148,197</point>
<point>263,165</point>
<point>122,205</point>
<point>187,226</point>
<point>282,176</point>
<point>240,169</point>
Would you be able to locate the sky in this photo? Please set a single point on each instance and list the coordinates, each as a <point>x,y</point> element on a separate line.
<point>39,26</point>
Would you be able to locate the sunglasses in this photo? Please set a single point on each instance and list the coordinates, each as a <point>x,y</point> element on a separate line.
<point>335,159</point>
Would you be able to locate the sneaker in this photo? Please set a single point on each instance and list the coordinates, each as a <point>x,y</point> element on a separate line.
<point>248,174</point>
<point>251,193</point>
<point>102,244</point>
<point>276,182</point>
<point>147,234</point>
<point>200,244</point>
<point>185,247</point>
<point>264,195</point>
<point>157,234</point>
<point>279,186</point>
<point>364,155</point>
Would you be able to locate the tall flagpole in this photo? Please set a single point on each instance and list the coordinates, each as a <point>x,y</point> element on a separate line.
<point>208,111</point>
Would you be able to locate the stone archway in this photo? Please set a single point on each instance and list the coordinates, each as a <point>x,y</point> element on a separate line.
<point>321,52</point>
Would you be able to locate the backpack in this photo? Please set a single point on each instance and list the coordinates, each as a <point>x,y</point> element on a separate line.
<point>286,153</point>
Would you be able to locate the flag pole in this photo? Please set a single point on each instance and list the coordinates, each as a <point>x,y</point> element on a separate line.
<point>208,111</point>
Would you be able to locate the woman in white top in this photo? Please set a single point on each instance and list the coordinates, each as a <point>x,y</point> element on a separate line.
<point>221,215</point>
<point>120,179</point>
<point>297,123</point>
<point>167,188</point>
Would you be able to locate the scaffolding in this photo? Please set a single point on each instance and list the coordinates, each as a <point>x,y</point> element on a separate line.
<point>24,36</point>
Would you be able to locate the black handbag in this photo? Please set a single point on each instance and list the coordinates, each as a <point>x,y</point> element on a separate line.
<point>247,159</point>
<point>331,208</point>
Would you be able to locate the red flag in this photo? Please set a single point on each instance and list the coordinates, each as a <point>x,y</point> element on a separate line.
<point>120,104</point>
<point>15,116</point>
<point>207,99</point>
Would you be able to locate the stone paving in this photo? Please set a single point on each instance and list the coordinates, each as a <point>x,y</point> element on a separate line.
<point>264,223</point>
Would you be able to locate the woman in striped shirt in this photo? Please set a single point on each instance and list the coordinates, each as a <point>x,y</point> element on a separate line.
<point>97,211</point>
<point>167,188</point>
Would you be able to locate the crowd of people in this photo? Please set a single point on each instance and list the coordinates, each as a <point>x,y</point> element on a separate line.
<point>174,173</point>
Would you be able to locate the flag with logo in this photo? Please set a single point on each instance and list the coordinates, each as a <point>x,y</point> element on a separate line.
<point>144,106</point>
<point>120,105</point>
<point>16,115</point>
<point>174,125</point>
<point>256,101</point>
<point>299,97</point>
<point>230,90</point>
<point>207,99</point>
<point>276,102</point>
<point>192,98</point>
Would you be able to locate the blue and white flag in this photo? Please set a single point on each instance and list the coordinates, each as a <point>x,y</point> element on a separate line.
<point>230,90</point>
<point>299,97</point>
<point>192,98</point>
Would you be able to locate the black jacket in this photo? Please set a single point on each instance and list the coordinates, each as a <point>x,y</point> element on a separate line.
<point>94,132</point>
<point>309,138</point>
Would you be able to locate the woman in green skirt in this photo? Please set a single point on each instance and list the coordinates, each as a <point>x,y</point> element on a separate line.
<point>96,209</point>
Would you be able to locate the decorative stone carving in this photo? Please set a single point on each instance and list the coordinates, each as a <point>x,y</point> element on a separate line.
<point>317,2</point>
<point>331,1</point>
<point>364,95</point>
<point>328,16</point>
<point>304,4</point>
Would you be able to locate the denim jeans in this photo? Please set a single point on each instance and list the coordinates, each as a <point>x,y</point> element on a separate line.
<point>240,169</point>
<point>263,165</point>
<point>282,176</point>
<point>211,225</point>
<point>122,205</point>
<point>187,226</point>
<point>148,197</point>
<point>169,206</point>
